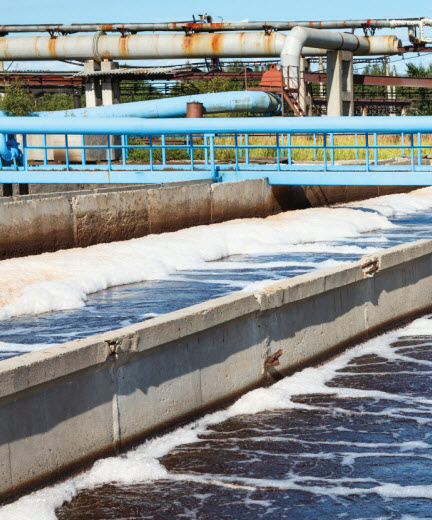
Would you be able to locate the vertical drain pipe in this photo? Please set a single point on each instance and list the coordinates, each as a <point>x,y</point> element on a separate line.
<point>194,109</point>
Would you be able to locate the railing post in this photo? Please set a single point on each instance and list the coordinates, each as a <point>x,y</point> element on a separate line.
<point>367,150</point>
<point>123,142</point>
<point>151,152</point>
<point>109,152</point>
<point>247,148</point>
<point>236,152</point>
<point>213,171</point>
<point>278,152</point>
<point>375,149</point>
<point>206,152</point>
<point>332,149</point>
<point>163,150</point>
<point>44,144</point>
<point>325,152</point>
<point>192,154</point>
<point>67,152</point>
<point>289,142</point>
<point>419,154</point>
<point>83,157</point>
<point>412,152</point>
<point>25,151</point>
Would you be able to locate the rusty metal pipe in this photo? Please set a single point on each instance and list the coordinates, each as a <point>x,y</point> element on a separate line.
<point>169,46</point>
<point>299,37</point>
<point>194,109</point>
<point>191,26</point>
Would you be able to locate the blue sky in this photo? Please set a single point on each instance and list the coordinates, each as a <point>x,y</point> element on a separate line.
<point>108,11</point>
<point>75,11</point>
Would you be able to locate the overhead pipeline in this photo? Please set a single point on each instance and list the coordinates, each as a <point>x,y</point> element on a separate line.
<point>100,46</point>
<point>194,26</point>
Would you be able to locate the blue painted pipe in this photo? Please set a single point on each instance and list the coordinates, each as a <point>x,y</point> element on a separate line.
<point>241,101</point>
<point>286,125</point>
<point>8,147</point>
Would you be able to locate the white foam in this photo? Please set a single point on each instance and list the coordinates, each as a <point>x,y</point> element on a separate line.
<point>401,204</point>
<point>62,280</point>
<point>21,348</point>
<point>142,464</point>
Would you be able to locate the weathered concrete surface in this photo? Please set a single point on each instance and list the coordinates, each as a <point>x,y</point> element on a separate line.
<point>231,200</point>
<point>175,208</point>
<point>110,216</point>
<point>66,405</point>
<point>33,224</point>
<point>328,195</point>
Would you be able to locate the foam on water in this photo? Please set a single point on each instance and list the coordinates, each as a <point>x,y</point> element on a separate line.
<point>142,464</point>
<point>62,280</point>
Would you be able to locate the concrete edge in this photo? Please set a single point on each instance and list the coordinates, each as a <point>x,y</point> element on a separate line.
<point>23,372</point>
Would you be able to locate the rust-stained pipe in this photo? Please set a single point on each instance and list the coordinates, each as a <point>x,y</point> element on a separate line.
<point>190,26</point>
<point>169,46</point>
<point>299,37</point>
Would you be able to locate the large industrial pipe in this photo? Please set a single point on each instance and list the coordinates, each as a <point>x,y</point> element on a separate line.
<point>299,37</point>
<point>151,46</point>
<point>215,125</point>
<point>212,27</point>
<point>237,101</point>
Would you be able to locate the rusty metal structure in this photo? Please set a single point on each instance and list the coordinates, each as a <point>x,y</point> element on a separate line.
<point>205,24</point>
<point>156,82</point>
<point>200,38</point>
<point>100,46</point>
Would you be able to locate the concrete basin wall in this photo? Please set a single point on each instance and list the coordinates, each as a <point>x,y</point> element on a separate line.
<point>37,224</point>
<point>34,224</point>
<point>62,407</point>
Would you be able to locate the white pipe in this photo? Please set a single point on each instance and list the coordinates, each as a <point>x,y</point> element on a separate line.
<point>173,46</point>
<point>299,37</point>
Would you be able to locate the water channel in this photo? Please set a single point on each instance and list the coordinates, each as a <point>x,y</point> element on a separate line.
<point>349,439</point>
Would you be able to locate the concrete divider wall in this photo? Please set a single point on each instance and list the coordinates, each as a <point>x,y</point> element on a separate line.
<point>35,225</point>
<point>39,223</point>
<point>66,405</point>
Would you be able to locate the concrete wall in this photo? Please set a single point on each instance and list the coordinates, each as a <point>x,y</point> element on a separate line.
<point>66,405</point>
<point>34,224</point>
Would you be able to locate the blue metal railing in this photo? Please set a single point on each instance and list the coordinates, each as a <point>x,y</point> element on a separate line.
<point>285,150</point>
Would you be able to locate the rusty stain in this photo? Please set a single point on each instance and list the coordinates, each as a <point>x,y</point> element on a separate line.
<point>216,43</point>
<point>187,45</point>
<point>273,360</point>
<point>52,42</point>
<point>124,46</point>
<point>371,267</point>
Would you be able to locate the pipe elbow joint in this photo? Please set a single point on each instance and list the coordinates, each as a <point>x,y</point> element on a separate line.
<point>9,150</point>
<point>294,43</point>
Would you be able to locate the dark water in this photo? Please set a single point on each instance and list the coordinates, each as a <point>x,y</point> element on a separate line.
<point>124,305</point>
<point>358,449</point>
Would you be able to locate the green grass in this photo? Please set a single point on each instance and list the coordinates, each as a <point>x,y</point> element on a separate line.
<point>304,154</point>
